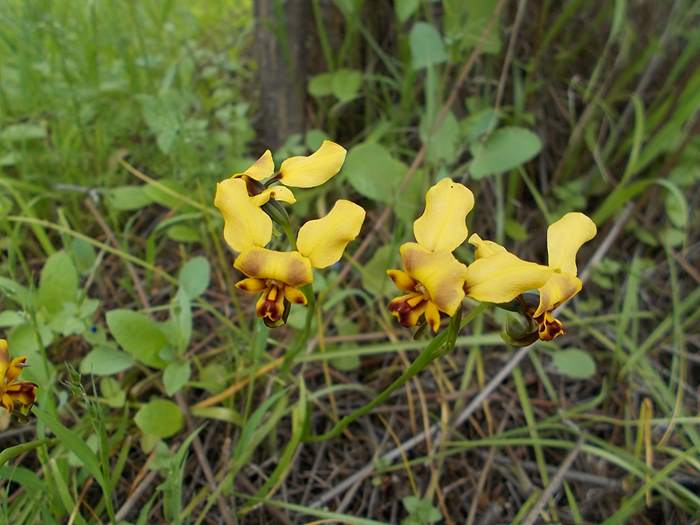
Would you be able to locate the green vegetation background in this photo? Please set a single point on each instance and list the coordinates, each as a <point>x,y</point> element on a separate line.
<point>162,399</point>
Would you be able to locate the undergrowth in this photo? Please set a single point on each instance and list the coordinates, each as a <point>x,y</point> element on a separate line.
<point>162,399</point>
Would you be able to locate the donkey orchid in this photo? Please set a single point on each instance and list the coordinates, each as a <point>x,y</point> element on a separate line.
<point>13,392</point>
<point>498,276</point>
<point>279,275</point>
<point>432,277</point>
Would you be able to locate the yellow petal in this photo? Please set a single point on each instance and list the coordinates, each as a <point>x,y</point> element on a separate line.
<point>278,193</point>
<point>439,273</point>
<point>402,280</point>
<point>558,288</point>
<point>251,285</point>
<point>314,170</point>
<point>286,267</point>
<point>324,240</point>
<point>15,368</point>
<point>432,316</point>
<point>484,248</point>
<point>263,168</point>
<point>502,277</point>
<point>294,295</point>
<point>4,359</point>
<point>245,224</point>
<point>565,237</point>
<point>443,223</point>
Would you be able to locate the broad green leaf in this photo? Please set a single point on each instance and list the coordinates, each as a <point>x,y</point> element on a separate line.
<point>574,363</point>
<point>112,392</point>
<point>321,85</point>
<point>373,172</point>
<point>22,132</point>
<point>104,360</point>
<point>128,198</point>
<point>159,417</point>
<point>194,276</point>
<point>676,206</point>
<point>405,8</point>
<point>443,142</point>
<point>465,21</point>
<point>374,277</point>
<point>346,84</point>
<point>503,150</point>
<point>184,233</point>
<point>83,253</point>
<point>176,376</point>
<point>478,123</point>
<point>314,139</point>
<point>11,318</point>
<point>138,335</point>
<point>427,48</point>
<point>58,283</point>
<point>164,115</point>
<point>168,194</point>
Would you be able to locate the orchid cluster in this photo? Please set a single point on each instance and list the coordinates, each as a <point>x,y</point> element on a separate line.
<point>433,281</point>
<point>278,276</point>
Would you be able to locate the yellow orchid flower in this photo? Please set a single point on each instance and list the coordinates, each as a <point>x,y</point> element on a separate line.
<point>278,275</point>
<point>498,276</point>
<point>13,392</point>
<point>433,282</point>
<point>431,277</point>
<point>300,172</point>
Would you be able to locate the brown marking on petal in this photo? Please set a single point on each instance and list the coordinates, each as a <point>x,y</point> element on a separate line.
<point>298,273</point>
<point>249,265</point>
<point>549,327</point>
<point>271,304</point>
<point>408,308</point>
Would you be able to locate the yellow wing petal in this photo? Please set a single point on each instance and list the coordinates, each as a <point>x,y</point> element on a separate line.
<point>263,168</point>
<point>324,240</point>
<point>565,237</point>
<point>501,277</point>
<point>439,273</point>
<point>442,225</point>
<point>290,268</point>
<point>559,287</point>
<point>245,224</point>
<point>278,193</point>
<point>485,248</point>
<point>314,170</point>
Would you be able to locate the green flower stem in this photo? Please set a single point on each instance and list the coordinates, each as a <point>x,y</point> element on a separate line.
<point>302,338</point>
<point>442,344</point>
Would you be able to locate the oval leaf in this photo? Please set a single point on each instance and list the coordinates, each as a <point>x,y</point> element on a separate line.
<point>138,335</point>
<point>58,283</point>
<point>194,276</point>
<point>104,361</point>
<point>427,48</point>
<point>503,150</point>
<point>574,363</point>
<point>372,171</point>
<point>160,418</point>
